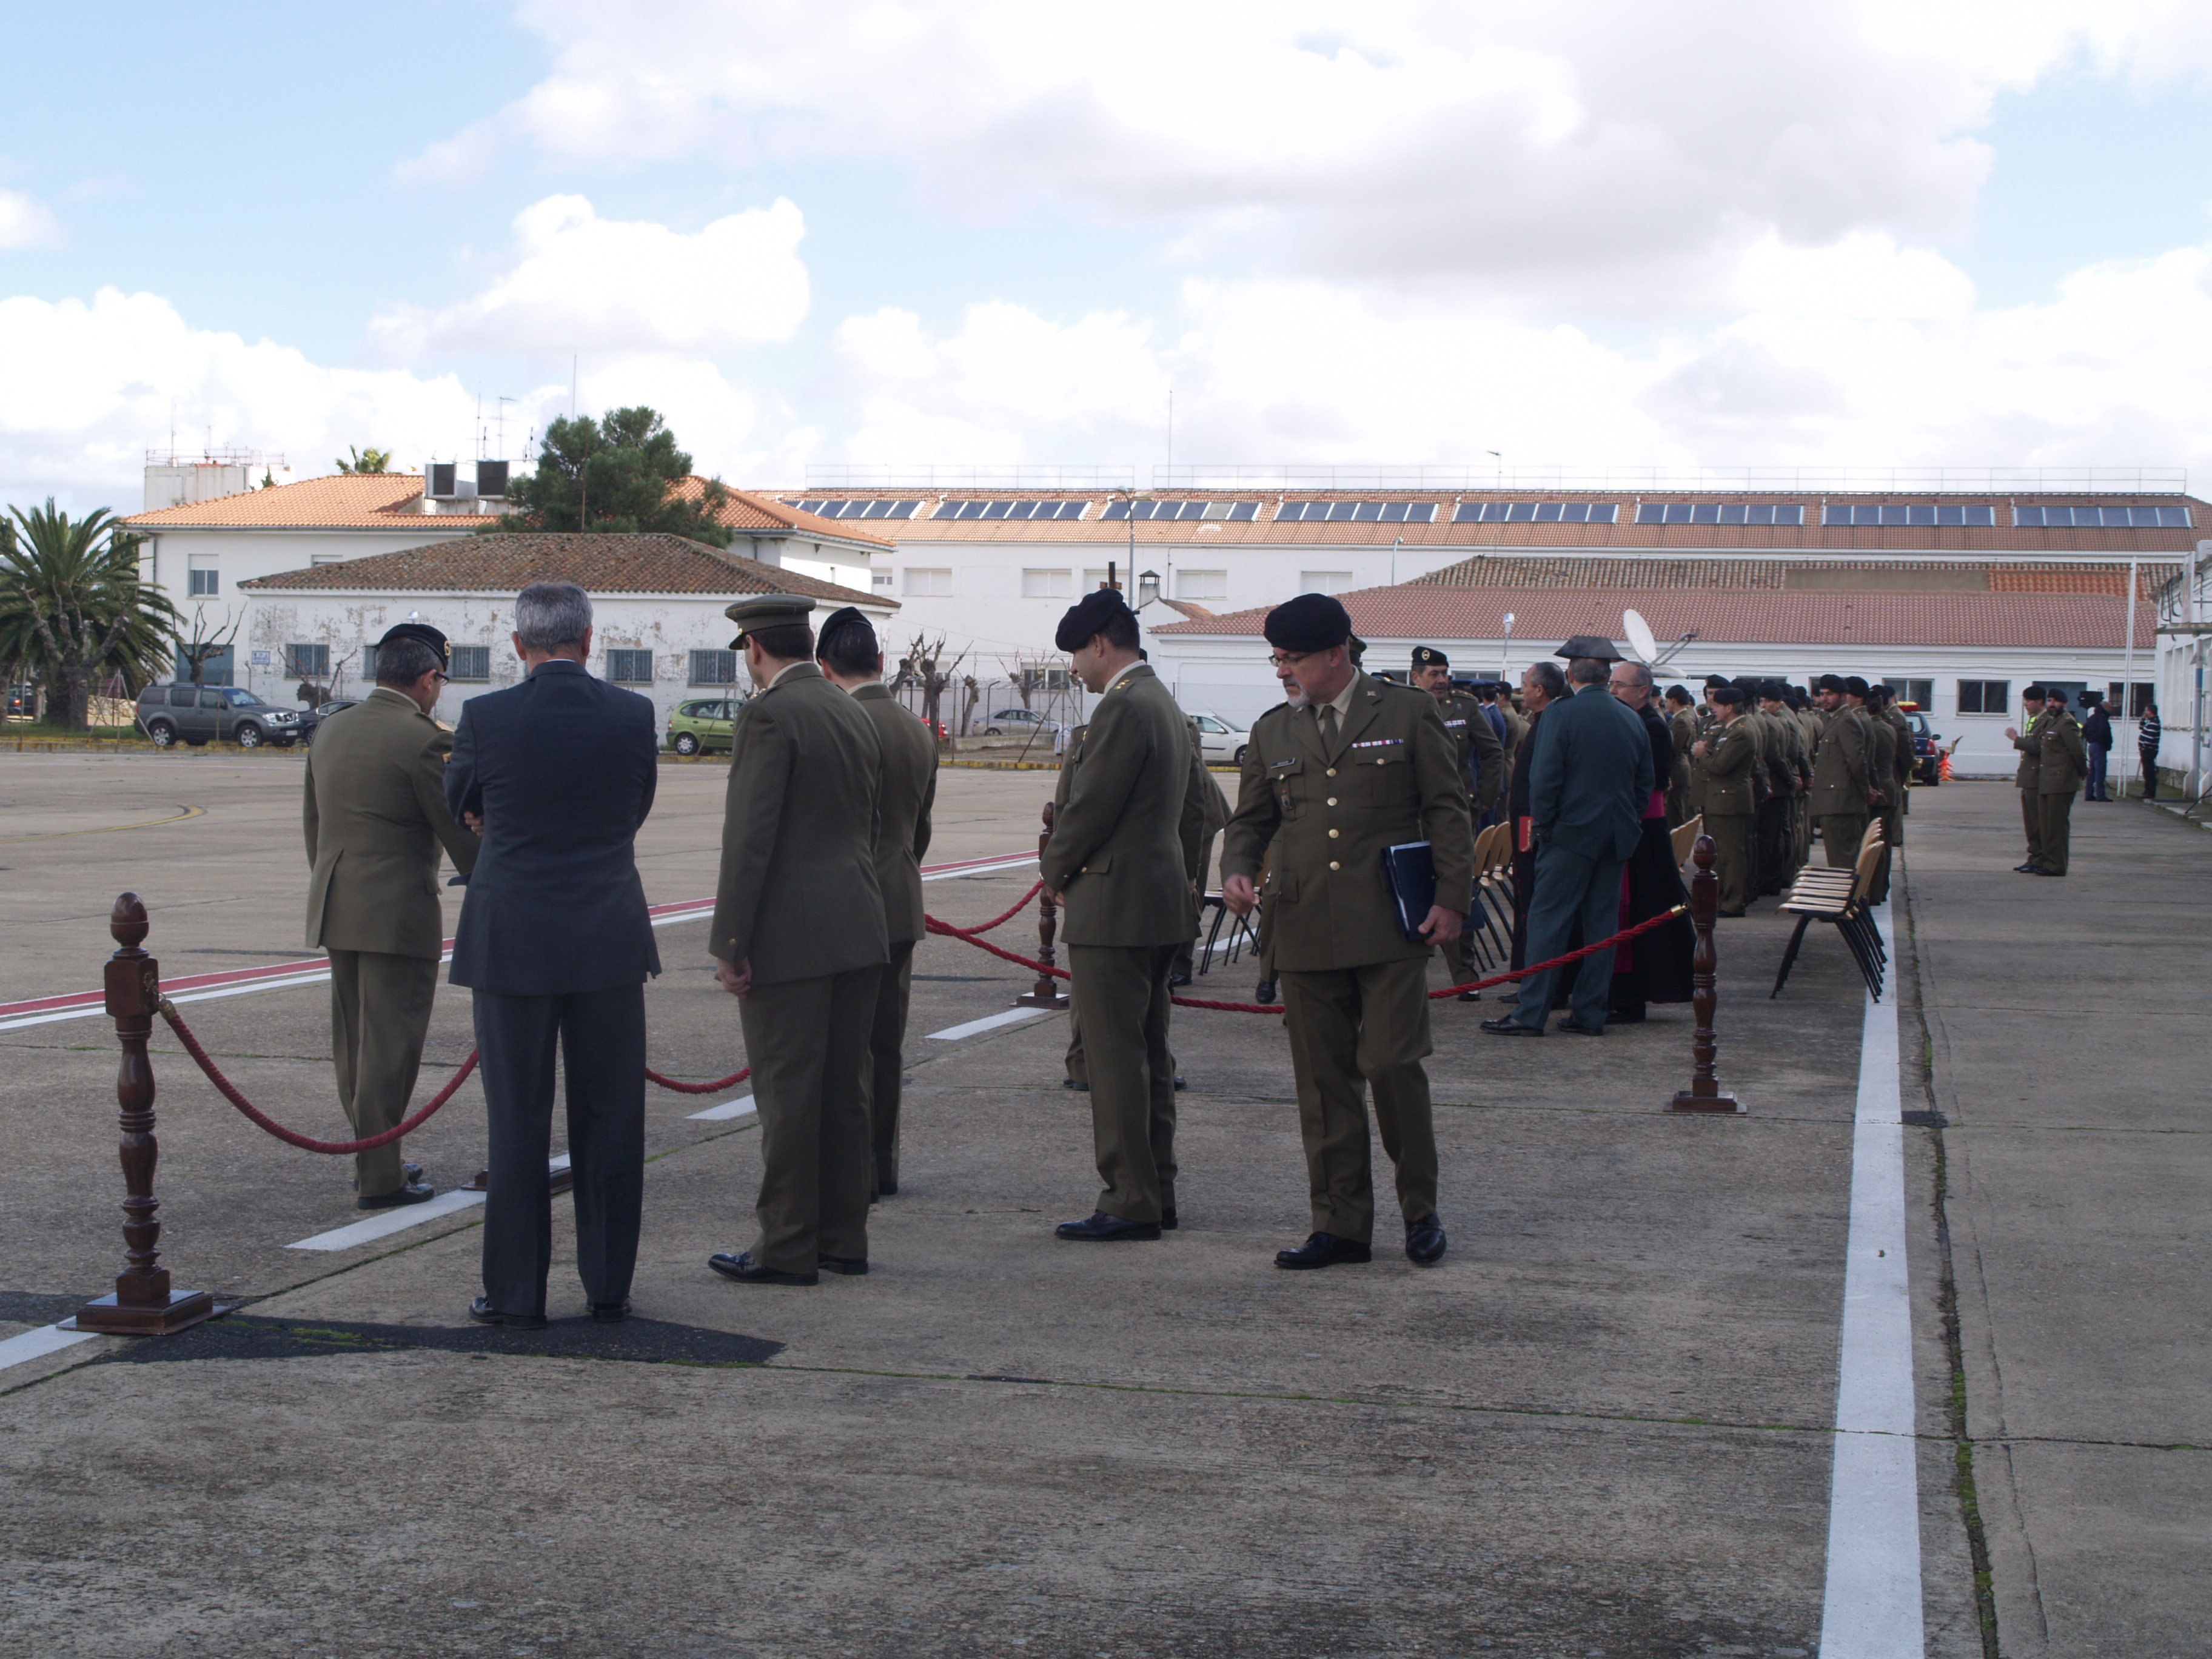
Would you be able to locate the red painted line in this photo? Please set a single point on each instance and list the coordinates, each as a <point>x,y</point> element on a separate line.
<point>315,965</point>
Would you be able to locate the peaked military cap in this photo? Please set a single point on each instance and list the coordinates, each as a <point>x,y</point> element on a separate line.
<point>1088,616</point>
<point>760,610</point>
<point>422,632</point>
<point>1311,622</point>
<point>1427,656</point>
<point>1589,644</point>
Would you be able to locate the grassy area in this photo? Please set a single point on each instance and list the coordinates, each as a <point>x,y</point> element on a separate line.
<point>16,726</point>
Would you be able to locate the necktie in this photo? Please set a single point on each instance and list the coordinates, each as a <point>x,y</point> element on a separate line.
<point>1328,727</point>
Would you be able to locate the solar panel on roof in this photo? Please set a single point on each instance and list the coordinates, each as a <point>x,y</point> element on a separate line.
<point>902,510</point>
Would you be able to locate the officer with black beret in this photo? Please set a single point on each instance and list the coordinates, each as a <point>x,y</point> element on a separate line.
<point>1481,763</point>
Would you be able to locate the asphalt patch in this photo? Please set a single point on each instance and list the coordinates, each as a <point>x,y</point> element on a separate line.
<point>31,1308</point>
<point>640,1341</point>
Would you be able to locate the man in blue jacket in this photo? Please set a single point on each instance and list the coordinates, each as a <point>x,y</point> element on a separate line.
<point>1587,782</point>
<point>555,940</point>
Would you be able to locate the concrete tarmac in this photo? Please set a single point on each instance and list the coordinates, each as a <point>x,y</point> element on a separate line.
<point>1601,1425</point>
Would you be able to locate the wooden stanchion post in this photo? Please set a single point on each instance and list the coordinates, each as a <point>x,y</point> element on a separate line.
<point>1703,1094</point>
<point>143,1303</point>
<point>1046,993</point>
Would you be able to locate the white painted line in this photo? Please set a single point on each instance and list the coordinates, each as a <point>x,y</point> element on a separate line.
<point>37,1345</point>
<point>556,1164</point>
<point>982,869</point>
<point>739,1107</point>
<point>1871,1609</point>
<point>397,1220</point>
<point>1011,1017</point>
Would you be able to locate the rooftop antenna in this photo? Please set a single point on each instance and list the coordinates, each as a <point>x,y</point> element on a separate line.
<point>572,387</point>
<point>1170,437</point>
<point>504,402</point>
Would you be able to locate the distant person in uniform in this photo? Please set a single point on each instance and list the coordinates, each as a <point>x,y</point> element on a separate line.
<point>1115,863</point>
<point>1347,767</point>
<point>1481,760</point>
<point>1727,757</point>
<point>1682,734</point>
<point>2026,777</point>
<point>1078,1071</point>
<point>851,660</point>
<point>375,816</point>
<point>2062,768</point>
<point>1542,684</point>
<point>2149,733</point>
<point>1653,967</point>
<point>2097,733</point>
<point>1205,814</point>
<point>800,940</point>
<point>1841,774</point>
<point>1588,783</point>
<point>555,941</point>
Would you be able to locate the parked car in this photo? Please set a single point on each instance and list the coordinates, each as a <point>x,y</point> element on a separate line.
<point>1220,741</point>
<point>194,714</point>
<point>314,717</point>
<point>701,724</point>
<point>21,700</point>
<point>1021,722</point>
<point>1927,746</point>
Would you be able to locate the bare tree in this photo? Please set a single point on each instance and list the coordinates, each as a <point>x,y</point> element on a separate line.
<point>205,644</point>
<point>924,665</point>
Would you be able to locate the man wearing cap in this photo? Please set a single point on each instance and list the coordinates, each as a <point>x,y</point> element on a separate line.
<point>1882,774</point>
<point>1793,777</point>
<point>555,941</point>
<point>851,660</point>
<point>1114,861</point>
<point>1729,758</point>
<point>1810,727</point>
<point>1344,768</point>
<point>2062,768</point>
<point>1841,774</point>
<point>1682,733</point>
<point>1588,784</point>
<point>374,815</point>
<point>1481,760</point>
<point>2026,777</point>
<point>800,940</point>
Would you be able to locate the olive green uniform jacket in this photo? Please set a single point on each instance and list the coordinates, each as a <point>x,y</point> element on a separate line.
<point>907,797</point>
<point>1481,757</point>
<point>2062,757</point>
<point>1116,852</point>
<point>1320,819</point>
<point>374,815</point>
<point>799,896</point>
<point>1682,729</point>
<point>1731,758</point>
<point>1843,766</point>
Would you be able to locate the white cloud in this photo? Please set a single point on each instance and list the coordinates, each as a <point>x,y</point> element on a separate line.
<point>578,283</point>
<point>26,221</point>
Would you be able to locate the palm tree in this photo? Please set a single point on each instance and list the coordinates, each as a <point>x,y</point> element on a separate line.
<point>72,607</point>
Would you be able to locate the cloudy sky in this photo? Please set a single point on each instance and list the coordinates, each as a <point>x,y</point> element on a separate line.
<point>850,232</point>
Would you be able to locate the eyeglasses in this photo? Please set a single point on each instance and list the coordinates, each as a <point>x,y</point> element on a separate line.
<point>445,679</point>
<point>1288,659</point>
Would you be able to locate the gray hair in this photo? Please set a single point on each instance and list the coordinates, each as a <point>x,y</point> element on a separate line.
<point>1588,671</point>
<point>1639,673</point>
<point>549,615</point>
<point>1547,675</point>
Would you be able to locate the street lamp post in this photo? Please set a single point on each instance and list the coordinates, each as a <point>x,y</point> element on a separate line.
<point>1505,650</point>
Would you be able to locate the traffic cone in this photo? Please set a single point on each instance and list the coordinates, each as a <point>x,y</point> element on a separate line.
<point>1943,767</point>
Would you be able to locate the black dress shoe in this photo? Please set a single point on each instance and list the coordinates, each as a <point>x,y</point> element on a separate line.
<point>746,1271</point>
<point>1099,1228</point>
<point>1265,992</point>
<point>2023,869</point>
<point>610,1312</point>
<point>850,1266</point>
<point>412,1193</point>
<point>1168,1219</point>
<point>483,1313</point>
<point>1180,1083</point>
<point>1470,996</point>
<point>1424,1239</point>
<point>886,1188</point>
<point>1070,1083</point>
<point>1509,1026</point>
<point>1322,1250</point>
<point>1178,979</point>
<point>1578,1028</point>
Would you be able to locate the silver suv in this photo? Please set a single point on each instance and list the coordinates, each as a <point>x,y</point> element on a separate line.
<point>191,714</point>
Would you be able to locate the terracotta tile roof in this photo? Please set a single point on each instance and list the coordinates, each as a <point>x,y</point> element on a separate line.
<point>747,510</point>
<point>1543,616</point>
<point>358,500</point>
<point>501,563</point>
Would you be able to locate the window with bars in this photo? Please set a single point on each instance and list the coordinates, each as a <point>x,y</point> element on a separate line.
<point>1984,696</point>
<point>204,582</point>
<point>713,668</point>
<point>472,662</point>
<point>306,662</point>
<point>627,667</point>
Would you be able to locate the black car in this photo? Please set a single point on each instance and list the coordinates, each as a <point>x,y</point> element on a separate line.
<point>1927,758</point>
<point>321,712</point>
<point>192,714</point>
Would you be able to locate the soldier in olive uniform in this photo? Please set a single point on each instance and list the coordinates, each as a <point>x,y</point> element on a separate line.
<point>1794,778</point>
<point>1345,768</point>
<point>1682,730</point>
<point>1204,815</point>
<point>906,795</point>
<point>374,816</point>
<point>1079,1073</point>
<point>800,934</point>
<point>1811,726</point>
<point>2025,778</point>
<point>2061,768</point>
<point>1481,759</point>
<point>1841,775</point>
<point>1882,775</point>
<point>1729,759</point>
<point>1116,858</point>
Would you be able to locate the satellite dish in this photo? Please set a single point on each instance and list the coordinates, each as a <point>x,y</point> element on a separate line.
<point>1641,640</point>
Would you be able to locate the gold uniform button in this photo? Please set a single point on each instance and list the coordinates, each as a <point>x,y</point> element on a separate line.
<point>1332,771</point>
<point>1331,800</point>
<point>1333,833</point>
<point>1334,865</point>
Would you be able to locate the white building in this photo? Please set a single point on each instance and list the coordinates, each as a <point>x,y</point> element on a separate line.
<point>656,603</point>
<point>202,552</point>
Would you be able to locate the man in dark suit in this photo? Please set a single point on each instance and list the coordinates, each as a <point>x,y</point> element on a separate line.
<point>1588,783</point>
<point>555,941</point>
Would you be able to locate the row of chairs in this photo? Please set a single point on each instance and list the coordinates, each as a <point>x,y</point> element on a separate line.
<point>1839,897</point>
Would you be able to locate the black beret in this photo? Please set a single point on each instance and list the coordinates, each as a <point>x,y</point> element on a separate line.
<point>1854,686</point>
<point>1427,656</point>
<point>417,630</point>
<point>1088,616</point>
<point>1773,690</point>
<point>1311,622</point>
<point>2058,691</point>
<point>1356,645</point>
<point>2034,693</point>
<point>1728,696</point>
<point>1715,681</point>
<point>1589,645</point>
<point>1829,683</point>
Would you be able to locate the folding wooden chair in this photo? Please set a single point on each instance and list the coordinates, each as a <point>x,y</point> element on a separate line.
<point>1685,838</point>
<point>1839,897</point>
<point>1242,931</point>
<point>1493,914</point>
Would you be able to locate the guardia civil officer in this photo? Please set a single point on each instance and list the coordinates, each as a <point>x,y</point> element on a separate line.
<point>1729,758</point>
<point>852,661</point>
<point>1346,767</point>
<point>1114,862</point>
<point>1842,773</point>
<point>1481,759</point>
<point>375,816</point>
<point>801,940</point>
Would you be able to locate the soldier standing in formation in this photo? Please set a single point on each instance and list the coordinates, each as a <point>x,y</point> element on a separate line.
<point>906,795</point>
<point>1842,775</point>
<point>1809,726</point>
<point>1792,779</point>
<point>1882,773</point>
<point>1115,863</point>
<point>1205,814</point>
<point>1728,758</point>
<point>801,939</point>
<point>375,816</point>
<point>1682,731</point>
<point>2062,768</point>
<point>1344,768</point>
<point>1481,760</point>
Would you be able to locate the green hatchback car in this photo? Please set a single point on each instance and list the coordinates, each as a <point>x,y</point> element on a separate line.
<point>701,724</point>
